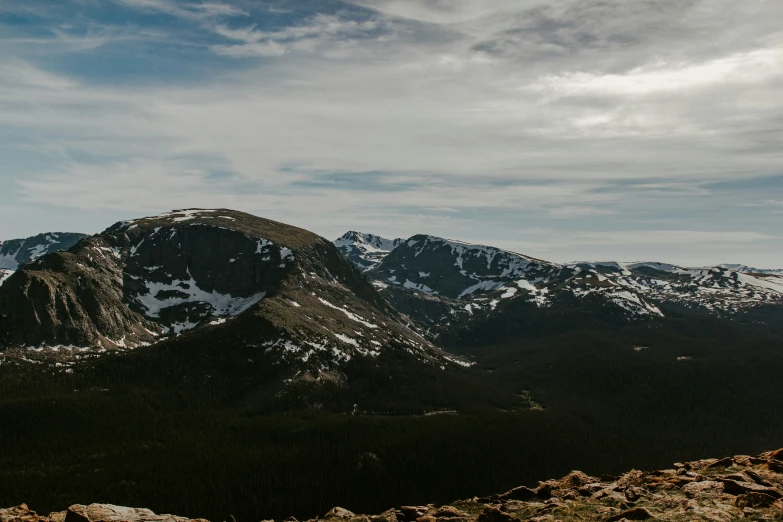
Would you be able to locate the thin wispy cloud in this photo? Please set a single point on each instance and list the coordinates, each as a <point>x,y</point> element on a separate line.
<point>585,121</point>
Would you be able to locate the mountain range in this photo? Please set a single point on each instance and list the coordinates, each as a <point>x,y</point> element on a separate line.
<point>218,271</point>
<point>442,284</point>
<point>278,363</point>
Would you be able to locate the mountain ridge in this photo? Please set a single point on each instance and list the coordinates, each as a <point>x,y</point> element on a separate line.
<point>426,278</point>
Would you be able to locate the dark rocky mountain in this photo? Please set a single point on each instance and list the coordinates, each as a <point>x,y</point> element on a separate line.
<point>456,270</point>
<point>446,286</point>
<point>710,490</point>
<point>149,279</point>
<point>365,250</point>
<point>18,252</point>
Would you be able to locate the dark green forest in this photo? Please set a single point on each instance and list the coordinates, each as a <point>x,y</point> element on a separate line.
<point>195,431</point>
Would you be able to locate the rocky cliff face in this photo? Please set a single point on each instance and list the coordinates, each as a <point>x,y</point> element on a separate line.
<point>714,490</point>
<point>144,280</point>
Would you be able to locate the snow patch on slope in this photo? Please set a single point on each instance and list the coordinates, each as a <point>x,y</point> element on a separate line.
<point>352,316</point>
<point>161,296</point>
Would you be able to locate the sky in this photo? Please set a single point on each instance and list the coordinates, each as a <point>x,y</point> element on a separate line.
<point>565,130</point>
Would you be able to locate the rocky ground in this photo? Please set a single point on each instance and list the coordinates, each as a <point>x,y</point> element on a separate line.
<point>719,490</point>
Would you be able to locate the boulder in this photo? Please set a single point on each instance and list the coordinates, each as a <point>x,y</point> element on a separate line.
<point>754,500</point>
<point>707,488</point>
<point>20,513</point>
<point>544,491</point>
<point>722,463</point>
<point>340,513</point>
<point>632,478</point>
<point>493,514</point>
<point>776,455</point>
<point>775,465</point>
<point>111,513</point>
<point>520,493</point>
<point>389,515</point>
<point>758,479</point>
<point>589,490</point>
<point>736,487</point>
<point>632,514</point>
<point>634,494</point>
<point>448,512</point>
<point>411,513</point>
<point>575,479</point>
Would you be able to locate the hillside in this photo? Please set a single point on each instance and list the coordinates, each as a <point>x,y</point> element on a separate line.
<point>710,490</point>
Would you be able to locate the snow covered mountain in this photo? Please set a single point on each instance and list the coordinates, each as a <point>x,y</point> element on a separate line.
<point>712,289</point>
<point>457,270</point>
<point>443,284</point>
<point>228,277</point>
<point>17,252</point>
<point>365,250</point>
<point>751,270</point>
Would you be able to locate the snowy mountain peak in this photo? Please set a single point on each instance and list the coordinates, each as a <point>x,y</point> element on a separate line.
<point>745,269</point>
<point>365,250</point>
<point>17,252</point>
<point>381,243</point>
<point>455,269</point>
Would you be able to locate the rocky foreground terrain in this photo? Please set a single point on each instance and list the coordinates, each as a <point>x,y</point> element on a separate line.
<point>719,490</point>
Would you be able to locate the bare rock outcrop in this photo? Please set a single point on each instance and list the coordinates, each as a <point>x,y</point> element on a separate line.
<point>90,513</point>
<point>709,490</point>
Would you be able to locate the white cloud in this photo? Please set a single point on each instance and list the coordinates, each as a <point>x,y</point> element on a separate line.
<point>582,114</point>
<point>320,30</point>
<point>752,67</point>
<point>17,74</point>
<point>445,11</point>
<point>202,11</point>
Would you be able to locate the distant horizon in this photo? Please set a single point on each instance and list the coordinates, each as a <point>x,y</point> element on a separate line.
<point>406,237</point>
<point>570,129</point>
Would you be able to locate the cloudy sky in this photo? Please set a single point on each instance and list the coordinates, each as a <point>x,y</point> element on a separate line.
<point>567,129</point>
